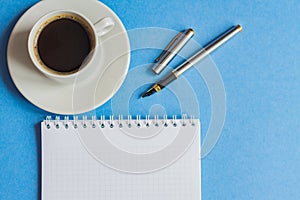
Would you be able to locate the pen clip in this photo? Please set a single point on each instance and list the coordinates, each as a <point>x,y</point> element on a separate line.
<point>176,44</point>
<point>168,47</point>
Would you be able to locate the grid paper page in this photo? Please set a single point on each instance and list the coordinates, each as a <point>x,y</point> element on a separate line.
<point>72,169</point>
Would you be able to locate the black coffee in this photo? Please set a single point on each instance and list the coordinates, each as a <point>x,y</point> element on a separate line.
<point>63,45</point>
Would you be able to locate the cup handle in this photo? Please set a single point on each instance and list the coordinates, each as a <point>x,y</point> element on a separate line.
<point>104,26</point>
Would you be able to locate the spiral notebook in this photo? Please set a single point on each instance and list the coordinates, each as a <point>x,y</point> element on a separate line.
<point>113,159</point>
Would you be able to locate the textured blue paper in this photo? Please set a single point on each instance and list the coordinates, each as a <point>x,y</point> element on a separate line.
<point>257,155</point>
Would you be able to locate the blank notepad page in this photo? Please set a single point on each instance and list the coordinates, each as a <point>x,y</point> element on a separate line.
<point>114,160</point>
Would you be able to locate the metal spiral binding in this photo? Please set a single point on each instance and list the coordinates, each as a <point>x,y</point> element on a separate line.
<point>94,121</point>
<point>101,122</point>
<point>138,121</point>
<point>111,121</point>
<point>47,122</point>
<point>75,122</point>
<point>56,122</point>
<point>66,122</point>
<point>174,121</point>
<point>84,121</point>
<point>156,120</point>
<point>129,121</point>
<point>120,121</point>
<point>184,117</point>
<point>165,121</point>
<point>147,121</point>
<point>192,120</point>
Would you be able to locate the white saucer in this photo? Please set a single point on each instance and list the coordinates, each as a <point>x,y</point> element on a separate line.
<point>81,96</point>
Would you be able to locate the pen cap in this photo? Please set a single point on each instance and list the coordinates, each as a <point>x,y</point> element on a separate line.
<point>176,44</point>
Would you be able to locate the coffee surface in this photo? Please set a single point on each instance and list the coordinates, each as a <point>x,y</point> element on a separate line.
<point>63,45</point>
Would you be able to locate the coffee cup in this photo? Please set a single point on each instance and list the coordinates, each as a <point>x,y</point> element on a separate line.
<point>63,43</point>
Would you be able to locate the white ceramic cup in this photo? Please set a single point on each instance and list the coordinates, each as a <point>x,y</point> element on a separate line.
<point>96,30</point>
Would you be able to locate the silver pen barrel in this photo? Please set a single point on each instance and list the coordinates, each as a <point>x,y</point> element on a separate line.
<point>207,50</point>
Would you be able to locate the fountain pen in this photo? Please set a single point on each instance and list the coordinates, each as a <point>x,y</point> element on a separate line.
<point>193,60</point>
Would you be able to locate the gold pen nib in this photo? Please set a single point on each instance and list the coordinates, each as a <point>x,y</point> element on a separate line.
<point>148,92</point>
<point>155,88</point>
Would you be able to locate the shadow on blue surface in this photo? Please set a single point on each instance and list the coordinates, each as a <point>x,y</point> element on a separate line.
<point>38,134</point>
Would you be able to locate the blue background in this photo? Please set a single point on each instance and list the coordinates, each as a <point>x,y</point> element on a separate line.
<point>257,155</point>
